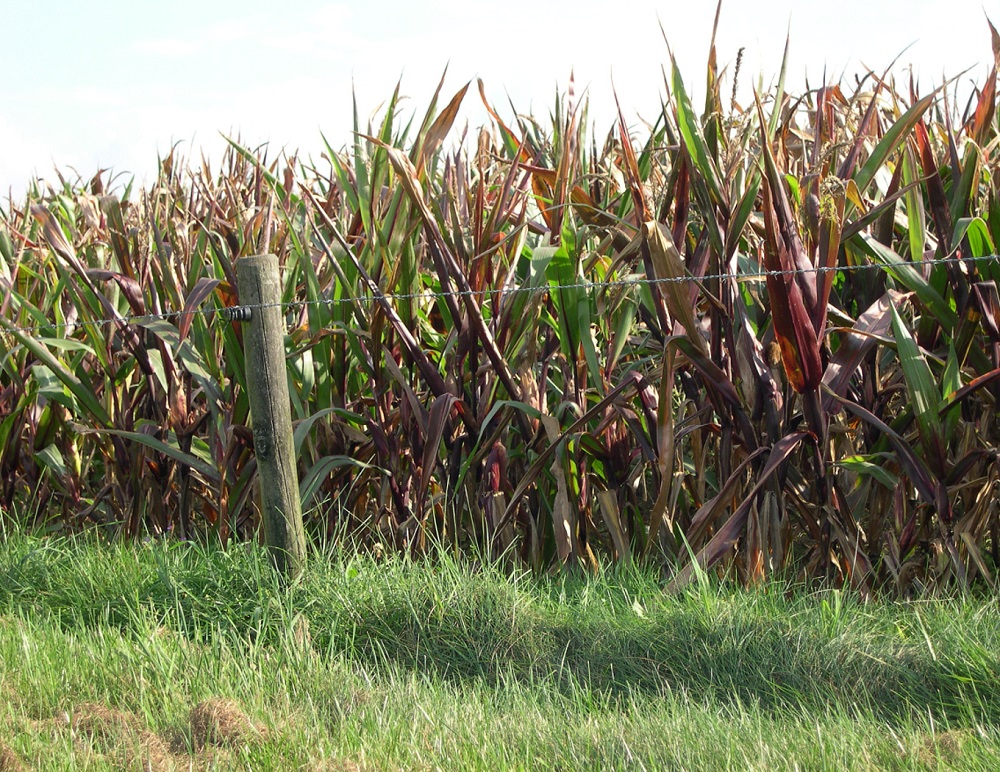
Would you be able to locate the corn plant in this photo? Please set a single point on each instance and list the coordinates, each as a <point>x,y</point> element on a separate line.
<point>760,339</point>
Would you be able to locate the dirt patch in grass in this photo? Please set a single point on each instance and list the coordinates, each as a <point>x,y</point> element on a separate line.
<point>122,740</point>
<point>123,736</point>
<point>151,754</point>
<point>219,721</point>
<point>102,722</point>
<point>10,761</point>
<point>9,695</point>
<point>215,724</point>
<point>337,765</point>
<point>944,747</point>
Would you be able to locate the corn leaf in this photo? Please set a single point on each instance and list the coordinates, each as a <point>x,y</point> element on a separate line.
<point>923,391</point>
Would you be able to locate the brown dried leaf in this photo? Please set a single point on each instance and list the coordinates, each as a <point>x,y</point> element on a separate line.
<point>440,128</point>
<point>727,535</point>
<point>874,323</point>
<point>563,515</point>
<point>203,289</point>
<point>436,424</point>
<point>668,264</point>
<point>608,502</point>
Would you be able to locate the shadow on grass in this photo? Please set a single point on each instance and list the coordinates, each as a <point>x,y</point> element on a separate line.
<point>743,659</point>
<point>761,651</point>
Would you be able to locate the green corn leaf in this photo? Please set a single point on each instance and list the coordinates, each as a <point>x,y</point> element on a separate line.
<point>890,141</point>
<point>624,322</point>
<point>923,391</point>
<point>951,382</point>
<point>319,472</point>
<point>7,251</point>
<point>865,465</point>
<point>209,472</point>
<point>690,129</point>
<point>84,395</point>
<point>746,206</point>
<point>964,188</point>
<point>915,214</point>
<point>52,458</point>
<point>572,303</point>
<point>907,275</point>
<point>976,231</point>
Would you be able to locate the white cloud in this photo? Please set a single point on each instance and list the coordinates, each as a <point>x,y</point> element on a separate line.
<point>201,40</point>
<point>169,48</point>
<point>325,35</point>
<point>21,158</point>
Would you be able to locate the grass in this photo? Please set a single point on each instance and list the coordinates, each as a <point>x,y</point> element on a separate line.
<point>179,655</point>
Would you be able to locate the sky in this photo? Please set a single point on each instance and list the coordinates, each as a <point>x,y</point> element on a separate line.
<point>113,84</point>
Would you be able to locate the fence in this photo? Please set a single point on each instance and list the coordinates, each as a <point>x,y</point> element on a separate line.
<point>232,313</point>
<point>265,353</point>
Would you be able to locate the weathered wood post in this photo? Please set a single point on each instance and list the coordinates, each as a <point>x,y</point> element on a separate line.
<point>270,408</point>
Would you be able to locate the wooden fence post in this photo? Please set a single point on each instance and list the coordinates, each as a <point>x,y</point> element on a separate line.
<point>270,408</point>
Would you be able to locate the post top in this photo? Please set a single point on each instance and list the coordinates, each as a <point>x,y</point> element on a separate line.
<point>249,260</point>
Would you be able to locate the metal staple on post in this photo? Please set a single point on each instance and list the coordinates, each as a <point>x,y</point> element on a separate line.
<point>237,313</point>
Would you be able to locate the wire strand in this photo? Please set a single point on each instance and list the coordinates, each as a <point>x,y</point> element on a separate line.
<point>141,319</point>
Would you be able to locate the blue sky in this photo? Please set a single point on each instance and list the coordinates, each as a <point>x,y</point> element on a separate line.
<point>112,83</point>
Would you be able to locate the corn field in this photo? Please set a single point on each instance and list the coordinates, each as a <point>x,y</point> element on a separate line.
<point>762,339</point>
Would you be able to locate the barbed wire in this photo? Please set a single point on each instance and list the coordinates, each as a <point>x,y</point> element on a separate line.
<point>233,313</point>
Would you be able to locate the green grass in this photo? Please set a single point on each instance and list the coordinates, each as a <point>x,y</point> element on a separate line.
<point>105,651</point>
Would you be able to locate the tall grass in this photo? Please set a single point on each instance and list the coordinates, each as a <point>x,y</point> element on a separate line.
<point>110,653</point>
<point>486,348</point>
